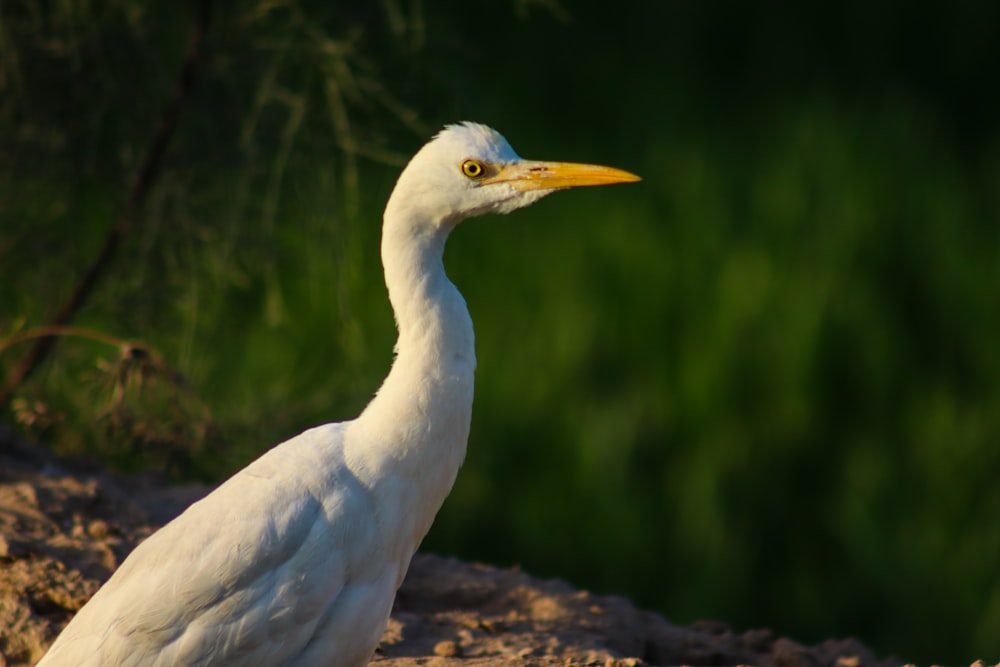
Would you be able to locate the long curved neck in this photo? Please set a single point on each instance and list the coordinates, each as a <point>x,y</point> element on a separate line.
<point>414,431</point>
<point>427,306</point>
<point>435,329</point>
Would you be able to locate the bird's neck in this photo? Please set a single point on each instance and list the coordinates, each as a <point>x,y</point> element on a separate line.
<point>414,431</point>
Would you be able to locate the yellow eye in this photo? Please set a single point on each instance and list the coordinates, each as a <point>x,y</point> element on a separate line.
<point>473,169</point>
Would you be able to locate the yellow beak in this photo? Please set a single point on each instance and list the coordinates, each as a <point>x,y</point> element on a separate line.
<point>535,175</point>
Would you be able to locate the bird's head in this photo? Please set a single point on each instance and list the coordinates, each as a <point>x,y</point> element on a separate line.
<point>470,169</point>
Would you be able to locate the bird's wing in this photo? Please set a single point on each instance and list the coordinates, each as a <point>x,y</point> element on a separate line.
<point>243,576</point>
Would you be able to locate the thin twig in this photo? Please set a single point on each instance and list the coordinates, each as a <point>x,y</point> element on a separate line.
<point>141,184</point>
<point>53,331</point>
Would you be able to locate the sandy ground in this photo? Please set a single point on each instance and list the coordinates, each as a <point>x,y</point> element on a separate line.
<point>65,527</point>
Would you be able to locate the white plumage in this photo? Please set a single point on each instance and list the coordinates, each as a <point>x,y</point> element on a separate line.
<point>295,559</point>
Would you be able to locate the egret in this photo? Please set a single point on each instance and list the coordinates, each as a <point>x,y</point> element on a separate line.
<point>295,560</point>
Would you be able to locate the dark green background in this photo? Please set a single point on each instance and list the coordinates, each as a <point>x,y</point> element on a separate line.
<point>761,386</point>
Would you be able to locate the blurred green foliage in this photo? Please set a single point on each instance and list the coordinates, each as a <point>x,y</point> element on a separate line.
<point>762,386</point>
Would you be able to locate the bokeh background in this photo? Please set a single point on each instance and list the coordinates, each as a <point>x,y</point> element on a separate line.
<point>762,386</point>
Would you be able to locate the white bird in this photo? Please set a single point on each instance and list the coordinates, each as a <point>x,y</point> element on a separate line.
<point>295,560</point>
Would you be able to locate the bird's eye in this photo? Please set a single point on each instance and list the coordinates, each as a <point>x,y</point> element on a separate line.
<point>473,169</point>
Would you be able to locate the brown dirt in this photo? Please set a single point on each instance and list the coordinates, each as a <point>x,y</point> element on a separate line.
<point>65,526</point>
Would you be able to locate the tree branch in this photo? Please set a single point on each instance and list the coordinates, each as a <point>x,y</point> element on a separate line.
<point>142,181</point>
